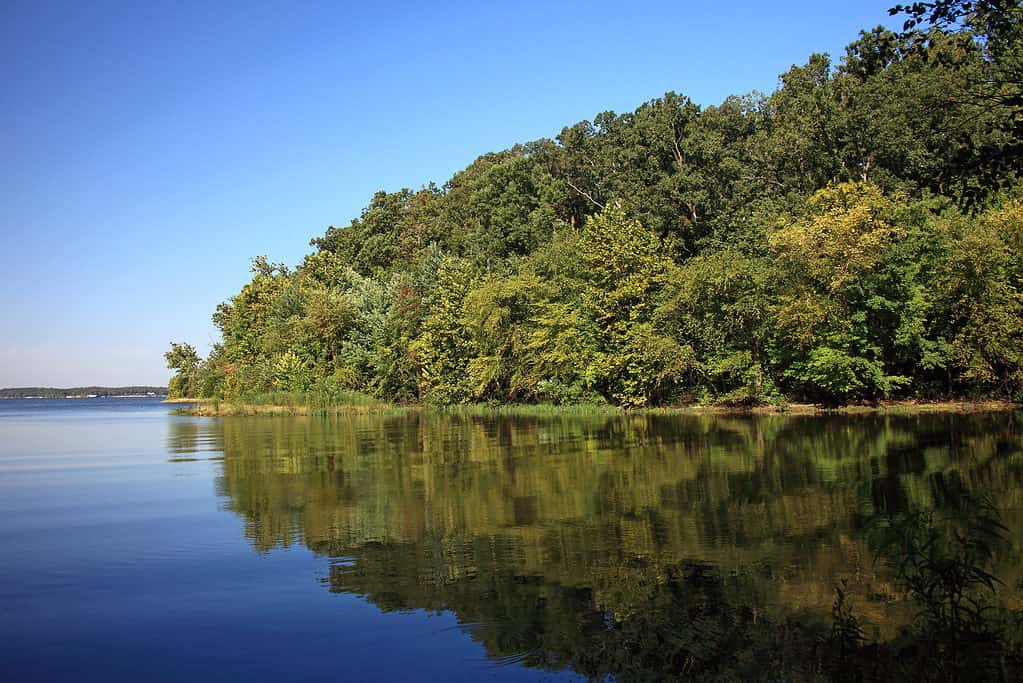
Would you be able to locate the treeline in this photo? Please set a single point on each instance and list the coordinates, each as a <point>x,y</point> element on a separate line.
<point>855,235</point>
<point>77,392</point>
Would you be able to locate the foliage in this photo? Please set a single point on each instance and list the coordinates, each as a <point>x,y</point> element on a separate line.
<point>185,359</point>
<point>853,236</point>
<point>848,305</point>
<point>635,364</point>
<point>944,561</point>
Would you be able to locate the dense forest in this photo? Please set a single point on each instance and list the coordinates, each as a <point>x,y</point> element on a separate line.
<point>856,235</point>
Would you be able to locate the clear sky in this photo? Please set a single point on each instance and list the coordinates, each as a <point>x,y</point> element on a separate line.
<point>151,149</point>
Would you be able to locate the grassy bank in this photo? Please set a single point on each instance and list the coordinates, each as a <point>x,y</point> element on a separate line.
<point>311,403</point>
<point>293,403</point>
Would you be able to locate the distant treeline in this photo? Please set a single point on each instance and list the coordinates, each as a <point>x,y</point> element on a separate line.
<point>855,235</point>
<point>75,392</point>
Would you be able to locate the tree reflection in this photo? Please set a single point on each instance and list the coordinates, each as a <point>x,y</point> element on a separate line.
<point>636,545</point>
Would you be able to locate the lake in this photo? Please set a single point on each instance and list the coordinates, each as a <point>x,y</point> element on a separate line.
<point>139,544</point>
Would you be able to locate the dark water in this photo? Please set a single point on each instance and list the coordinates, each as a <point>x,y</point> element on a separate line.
<point>139,544</point>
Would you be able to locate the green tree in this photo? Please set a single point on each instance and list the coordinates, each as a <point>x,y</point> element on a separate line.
<point>978,298</point>
<point>848,300</point>
<point>627,270</point>
<point>720,304</point>
<point>185,360</point>
<point>444,349</point>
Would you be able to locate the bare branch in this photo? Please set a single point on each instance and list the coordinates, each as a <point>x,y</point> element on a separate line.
<point>583,193</point>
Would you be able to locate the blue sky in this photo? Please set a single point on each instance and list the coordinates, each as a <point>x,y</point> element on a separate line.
<point>151,151</point>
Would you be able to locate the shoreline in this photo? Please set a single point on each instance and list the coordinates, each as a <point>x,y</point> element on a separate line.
<point>77,396</point>
<point>214,408</point>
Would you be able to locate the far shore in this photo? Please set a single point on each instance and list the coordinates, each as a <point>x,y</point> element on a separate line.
<point>205,407</point>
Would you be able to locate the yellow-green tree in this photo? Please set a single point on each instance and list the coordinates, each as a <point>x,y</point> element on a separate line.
<point>628,270</point>
<point>849,301</point>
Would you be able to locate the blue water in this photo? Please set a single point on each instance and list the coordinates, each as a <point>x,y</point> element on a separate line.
<point>120,561</point>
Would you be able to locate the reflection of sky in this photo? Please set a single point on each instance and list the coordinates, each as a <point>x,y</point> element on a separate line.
<point>120,565</point>
<point>151,149</point>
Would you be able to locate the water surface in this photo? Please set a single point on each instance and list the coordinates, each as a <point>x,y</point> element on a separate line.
<point>141,544</point>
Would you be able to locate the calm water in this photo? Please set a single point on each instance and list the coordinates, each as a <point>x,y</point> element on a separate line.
<point>139,544</point>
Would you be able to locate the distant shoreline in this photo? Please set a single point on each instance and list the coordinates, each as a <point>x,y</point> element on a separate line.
<point>50,398</point>
<point>129,391</point>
